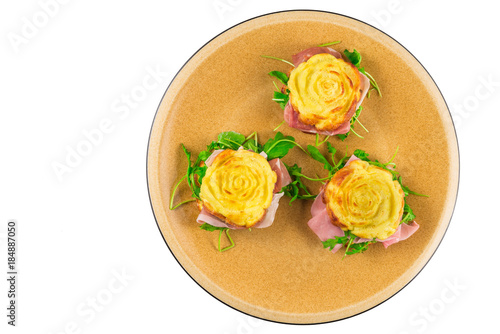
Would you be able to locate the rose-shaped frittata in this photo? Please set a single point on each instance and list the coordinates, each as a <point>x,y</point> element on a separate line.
<point>365,200</point>
<point>238,187</point>
<point>325,91</point>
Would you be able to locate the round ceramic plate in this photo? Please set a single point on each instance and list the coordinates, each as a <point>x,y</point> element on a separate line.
<point>283,273</point>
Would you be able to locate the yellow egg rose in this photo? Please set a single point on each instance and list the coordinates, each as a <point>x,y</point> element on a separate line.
<point>324,91</point>
<point>238,187</point>
<point>365,200</point>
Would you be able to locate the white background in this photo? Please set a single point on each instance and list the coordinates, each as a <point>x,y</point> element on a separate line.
<point>70,74</point>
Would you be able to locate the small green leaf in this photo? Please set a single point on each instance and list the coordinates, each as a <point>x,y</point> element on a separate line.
<point>348,241</point>
<point>250,145</point>
<point>316,155</point>
<point>281,99</point>
<point>204,155</point>
<point>353,120</point>
<point>211,228</point>
<point>342,137</point>
<point>357,248</point>
<point>279,146</point>
<point>408,214</point>
<point>296,189</point>
<point>362,155</point>
<point>354,57</point>
<point>282,77</point>
<point>407,192</point>
<point>231,139</point>
<point>331,243</point>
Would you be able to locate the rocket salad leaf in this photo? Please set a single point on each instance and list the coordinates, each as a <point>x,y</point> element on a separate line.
<point>347,241</point>
<point>280,76</point>
<point>355,58</point>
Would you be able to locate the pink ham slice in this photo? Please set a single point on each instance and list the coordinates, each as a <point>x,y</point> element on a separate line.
<point>206,217</point>
<point>320,222</point>
<point>283,179</point>
<point>351,159</point>
<point>292,119</point>
<point>403,232</point>
<point>212,157</point>
<point>303,56</point>
<point>292,116</point>
<point>322,226</point>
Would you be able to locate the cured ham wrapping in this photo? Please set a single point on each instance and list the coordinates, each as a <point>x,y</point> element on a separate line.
<point>291,115</point>
<point>321,224</point>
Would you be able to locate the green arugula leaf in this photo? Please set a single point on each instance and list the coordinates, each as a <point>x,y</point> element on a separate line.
<point>204,155</point>
<point>250,145</point>
<point>408,214</point>
<point>354,119</point>
<point>343,137</point>
<point>282,77</point>
<point>231,139</point>
<point>362,155</point>
<point>348,241</point>
<point>331,243</point>
<point>281,98</point>
<point>407,191</point>
<point>195,188</point>
<point>354,57</point>
<point>211,228</point>
<point>358,248</point>
<point>200,171</point>
<point>208,152</point>
<point>316,155</point>
<point>331,150</point>
<point>296,189</point>
<point>279,146</point>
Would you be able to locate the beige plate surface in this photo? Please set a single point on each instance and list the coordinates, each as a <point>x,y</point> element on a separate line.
<point>282,273</point>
